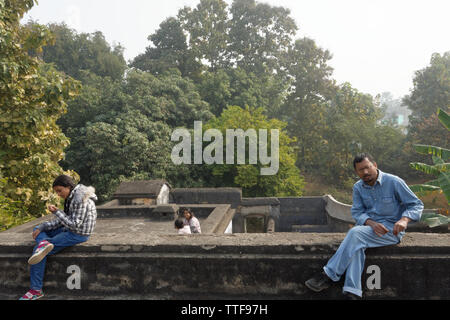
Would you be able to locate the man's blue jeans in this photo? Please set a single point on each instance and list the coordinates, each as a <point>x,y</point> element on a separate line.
<point>350,256</point>
<point>60,238</point>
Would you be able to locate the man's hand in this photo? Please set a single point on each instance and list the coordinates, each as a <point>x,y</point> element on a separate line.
<point>378,228</point>
<point>52,208</point>
<point>401,225</point>
<point>35,233</point>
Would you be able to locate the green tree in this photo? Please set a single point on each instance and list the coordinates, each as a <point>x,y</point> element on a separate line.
<point>431,90</point>
<point>286,182</point>
<point>440,168</point>
<point>169,50</point>
<point>11,213</point>
<point>350,127</point>
<point>120,130</point>
<point>73,52</point>
<point>305,107</point>
<point>259,35</point>
<point>237,55</point>
<point>32,97</point>
<point>235,86</point>
<point>207,26</point>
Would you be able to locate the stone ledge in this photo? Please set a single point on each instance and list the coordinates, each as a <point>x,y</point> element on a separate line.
<point>269,243</point>
<point>260,201</point>
<point>244,266</point>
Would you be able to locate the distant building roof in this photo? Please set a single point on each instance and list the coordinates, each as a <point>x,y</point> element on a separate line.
<point>140,189</point>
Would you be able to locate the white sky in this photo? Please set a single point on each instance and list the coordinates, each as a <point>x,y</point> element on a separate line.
<point>377,45</point>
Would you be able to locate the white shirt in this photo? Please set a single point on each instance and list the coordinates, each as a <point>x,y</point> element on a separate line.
<point>194,224</point>
<point>185,230</point>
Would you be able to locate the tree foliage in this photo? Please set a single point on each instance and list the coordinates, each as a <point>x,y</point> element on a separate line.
<point>440,168</point>
<point>235,53</point>
<point>431,90</point>
<point>73,52</point>
<point>120,130</point>
<point>169,50</point>
<point>32,97</point>
<point>238,65</point>
<point>286,182</point>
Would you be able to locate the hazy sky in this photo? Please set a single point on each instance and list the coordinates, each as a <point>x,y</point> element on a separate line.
<point>377,45</point>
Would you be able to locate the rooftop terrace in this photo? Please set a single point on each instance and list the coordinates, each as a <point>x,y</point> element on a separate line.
<point>135,253</point>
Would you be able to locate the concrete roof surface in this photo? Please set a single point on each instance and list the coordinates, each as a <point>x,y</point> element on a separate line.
<point>137,233</point>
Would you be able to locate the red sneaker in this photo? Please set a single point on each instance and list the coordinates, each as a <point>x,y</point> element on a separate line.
<point>42,250</point>
<point>32,295</point>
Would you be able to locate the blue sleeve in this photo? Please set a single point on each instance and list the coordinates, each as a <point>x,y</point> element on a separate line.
<point>414,206</point>
<point>358,210</point>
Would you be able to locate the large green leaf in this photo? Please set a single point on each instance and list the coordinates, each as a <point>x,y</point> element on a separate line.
<point>444,118</point>
<point>426,168</point>
<point>444,183</point>
<point>434,182</point>
<point>437,160</point>
<point>434,219</point>
<point>442,167</point>
<point>420,188</point>
<point>433,150</point>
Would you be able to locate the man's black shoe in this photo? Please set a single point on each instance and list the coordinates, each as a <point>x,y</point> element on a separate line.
<point>319,282</point>
<point>351,296</point>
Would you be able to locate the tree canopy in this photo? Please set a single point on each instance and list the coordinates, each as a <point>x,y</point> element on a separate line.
<point>32,98</point>
<point>69,101</point>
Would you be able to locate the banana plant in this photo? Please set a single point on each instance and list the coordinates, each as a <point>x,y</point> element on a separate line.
<point>440,169</point>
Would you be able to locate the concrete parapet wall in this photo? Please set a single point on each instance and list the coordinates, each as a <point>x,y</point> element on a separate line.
<point>123,211</point>
<point>230,196</point>
<point>218,219</point>
<point>215,218</point>
<point>339,218</point>
<point>260,201</point>
<point>256,266</point>
<point>301,211</point>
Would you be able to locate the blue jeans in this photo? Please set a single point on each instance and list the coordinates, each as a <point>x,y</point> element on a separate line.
<point>350,256</point>
<point>60,238</point>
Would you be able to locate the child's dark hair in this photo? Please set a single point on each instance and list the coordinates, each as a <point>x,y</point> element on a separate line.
<point>64,181</point>
<point>179,223</point>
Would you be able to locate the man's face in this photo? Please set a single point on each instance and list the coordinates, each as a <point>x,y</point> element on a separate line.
<point>367,171</point>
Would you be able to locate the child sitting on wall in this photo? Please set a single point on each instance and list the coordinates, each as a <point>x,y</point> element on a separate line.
<point>181,227</point>
<point>191,221</point>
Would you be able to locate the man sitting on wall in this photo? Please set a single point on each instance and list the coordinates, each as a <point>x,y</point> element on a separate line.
<point>383,205</point>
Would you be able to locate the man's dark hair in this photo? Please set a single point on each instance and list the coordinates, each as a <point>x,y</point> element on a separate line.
<point>360,158</point>
<point>64,181</point>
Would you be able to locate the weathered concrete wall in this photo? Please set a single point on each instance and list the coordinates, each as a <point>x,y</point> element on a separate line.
<point>218,220</point>
<point>238,266</point>
<point>154,212</point>
<point>339,218</point>
<point>266,207</point>
<point>230,196</point>
<point>301,211</point>
<point>214,218</point>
